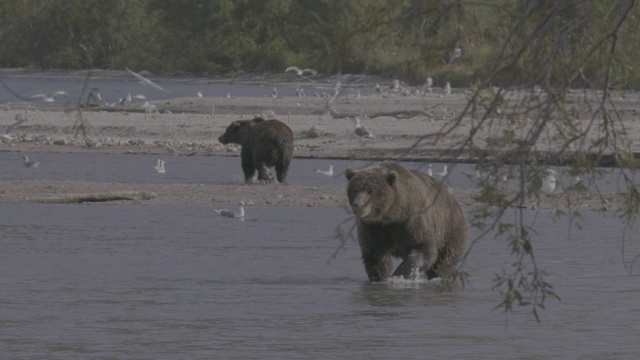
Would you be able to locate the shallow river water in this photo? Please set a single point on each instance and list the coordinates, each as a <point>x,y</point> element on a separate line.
<point>139,168</point>
<point>178,282</point>
<point>22,89</point>
<point>114,281</point>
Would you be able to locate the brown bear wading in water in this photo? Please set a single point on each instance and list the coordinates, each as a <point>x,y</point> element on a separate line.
<point>406,214</point>
<point>265,144</point>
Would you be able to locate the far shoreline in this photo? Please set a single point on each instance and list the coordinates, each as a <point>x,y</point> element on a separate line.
<point>188,125</point>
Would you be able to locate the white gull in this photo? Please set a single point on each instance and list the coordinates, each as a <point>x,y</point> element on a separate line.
<point>232,214</point>
<point>49,98</point>
<point>160,167</point>
<point>144,81</point>
<point>126,99</point>
<point>444,172</point>
<point>549,181</point>
<point>30,164</point>
<point>362,131</point>
<point>301,72</point>
<point>325,172</point>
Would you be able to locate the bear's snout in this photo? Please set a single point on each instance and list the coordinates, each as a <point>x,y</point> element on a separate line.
<point>361,212</point>
<point>355,208</point>
<point>360,205</point>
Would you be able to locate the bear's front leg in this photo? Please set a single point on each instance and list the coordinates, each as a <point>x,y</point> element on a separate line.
<point>410,266</point>
<point>248,171</point>
<point>247,166</point>
<point>378,267</point>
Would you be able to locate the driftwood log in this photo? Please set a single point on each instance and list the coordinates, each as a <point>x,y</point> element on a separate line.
<point>398,114</point>
<point>95,197</point>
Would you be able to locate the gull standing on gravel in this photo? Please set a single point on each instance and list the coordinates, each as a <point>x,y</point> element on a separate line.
<point>447,88</point>
<point>325,172</point>
<point>395,85</point>
<point>429,82</point>
<point>149,108</point>
<point>199,94</point>
<point>549,181</point>
<point>430,170</point>
<point>362,131</point>
<point>160,167</point>
<point>274,93</point>
<point>126,99</point>
<point>6,135</point>
<point>144,81</point>
<point>30,164</point>
<point>428,85</point>
<point>94,98</point>
<point>232,214</point>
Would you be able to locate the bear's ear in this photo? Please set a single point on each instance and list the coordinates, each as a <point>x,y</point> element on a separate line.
<point>392,176</point>
<point>349,172</point>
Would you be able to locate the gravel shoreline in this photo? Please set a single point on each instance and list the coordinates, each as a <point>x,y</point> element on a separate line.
<point>41,191</point>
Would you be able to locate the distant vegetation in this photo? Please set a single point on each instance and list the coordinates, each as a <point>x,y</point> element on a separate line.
<point>408,39</point>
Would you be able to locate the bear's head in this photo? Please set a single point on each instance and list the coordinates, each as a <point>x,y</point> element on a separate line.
<point>236,130</point>
<point>372,192</point>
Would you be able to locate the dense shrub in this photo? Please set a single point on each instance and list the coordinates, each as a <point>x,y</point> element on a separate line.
<point>393,38</point>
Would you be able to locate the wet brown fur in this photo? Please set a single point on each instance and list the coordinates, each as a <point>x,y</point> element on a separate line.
<point>406,214</point>
<point>265,144</point>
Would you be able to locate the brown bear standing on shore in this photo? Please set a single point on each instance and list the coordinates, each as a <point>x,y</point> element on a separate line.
<point>406,214</point>
<point>265,143</point>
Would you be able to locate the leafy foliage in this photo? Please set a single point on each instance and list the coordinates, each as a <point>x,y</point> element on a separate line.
<point>397,38</point>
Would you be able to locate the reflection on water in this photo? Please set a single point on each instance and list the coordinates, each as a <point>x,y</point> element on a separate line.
<point>180,282</point>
